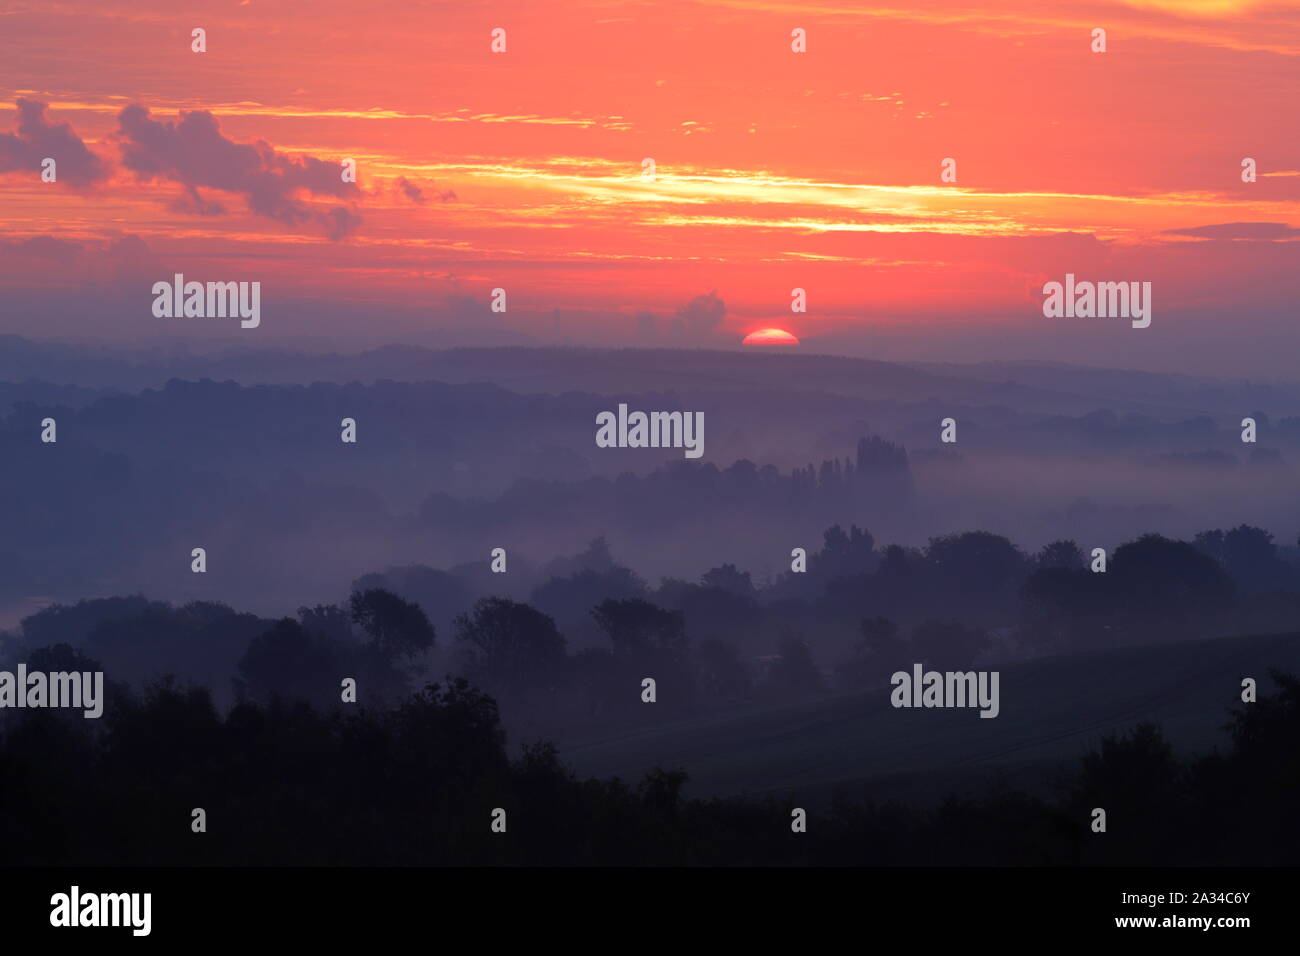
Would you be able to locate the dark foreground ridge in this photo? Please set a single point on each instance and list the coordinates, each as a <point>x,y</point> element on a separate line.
<point>425,783</point>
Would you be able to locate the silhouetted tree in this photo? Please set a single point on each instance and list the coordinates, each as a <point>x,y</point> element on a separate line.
<point>1137,780</point>
<point>328,621</point>
<point>1060,554</point>
<point>1156,584</point>
<point>727,578</point>
<point>1251,557</point>
<point>637,627</point>
<point>979,571</point>
<point>509,646</point>
<point>396,627</point>
<point>289,661</point>
<point>845,554</point>
<point>569,599</point>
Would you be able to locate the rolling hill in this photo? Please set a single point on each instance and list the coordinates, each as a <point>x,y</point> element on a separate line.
<point>1052,711</point>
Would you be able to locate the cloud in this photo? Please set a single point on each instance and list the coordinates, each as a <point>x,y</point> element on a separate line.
<point>35,138</point>
<point>42,247</point>
<point>414,193</point>
<point>194,153</point>
<point>130,257</point>
<point>192,202</point>
<point>93,265</point>
<point>466,307</point>
<point>1239,230</point>
<point>1199,8</point>
<point>702,314</point>
<point>411,191</point>
<point>340,222</point>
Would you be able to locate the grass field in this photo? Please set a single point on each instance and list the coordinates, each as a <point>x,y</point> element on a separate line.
<point>1052,711</point>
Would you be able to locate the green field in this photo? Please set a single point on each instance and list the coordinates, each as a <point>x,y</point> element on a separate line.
<point>1052,711</point>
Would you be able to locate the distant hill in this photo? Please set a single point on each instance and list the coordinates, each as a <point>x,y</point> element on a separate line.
<point>1156,390</point>
<point>1044,387</point>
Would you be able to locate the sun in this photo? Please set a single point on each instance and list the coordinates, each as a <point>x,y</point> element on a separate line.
<point>770,337</point>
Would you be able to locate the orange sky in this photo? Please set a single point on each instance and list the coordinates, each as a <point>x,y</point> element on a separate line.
<point>775,170</point>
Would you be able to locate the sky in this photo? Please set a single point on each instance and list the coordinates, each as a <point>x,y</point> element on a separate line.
<point>525,170</point>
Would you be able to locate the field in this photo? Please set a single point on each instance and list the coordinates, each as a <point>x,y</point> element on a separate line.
<point>1052,711</point>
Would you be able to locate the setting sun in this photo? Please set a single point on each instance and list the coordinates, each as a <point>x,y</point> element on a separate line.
<point>770,337</point>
